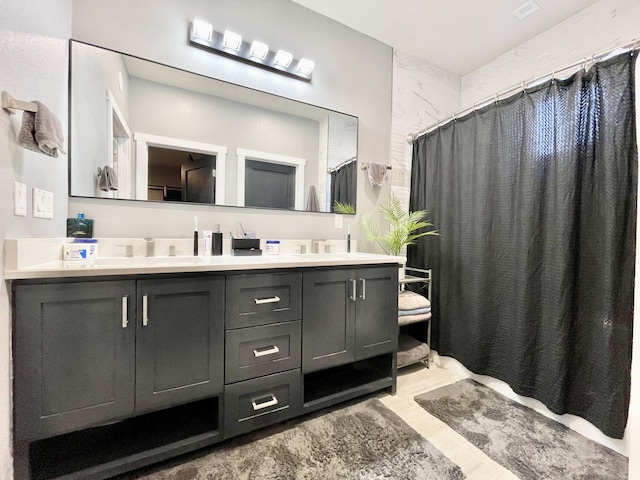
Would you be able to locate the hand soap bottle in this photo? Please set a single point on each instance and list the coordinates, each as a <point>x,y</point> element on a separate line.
<point>79,227</point>
<point>216,241</point>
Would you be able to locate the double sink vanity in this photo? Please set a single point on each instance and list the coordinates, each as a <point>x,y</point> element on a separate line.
<point>123,362</point>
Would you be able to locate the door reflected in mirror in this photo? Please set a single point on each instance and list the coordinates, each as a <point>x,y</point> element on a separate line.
<point>175,136</point>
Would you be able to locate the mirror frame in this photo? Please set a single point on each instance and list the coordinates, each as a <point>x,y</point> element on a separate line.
<point>229,91</point>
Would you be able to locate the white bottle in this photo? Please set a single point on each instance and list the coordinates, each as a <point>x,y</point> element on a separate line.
<point>207,236</point>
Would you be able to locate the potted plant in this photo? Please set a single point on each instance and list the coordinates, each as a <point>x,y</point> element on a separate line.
<point>404,227</point>
<point>343,208</point>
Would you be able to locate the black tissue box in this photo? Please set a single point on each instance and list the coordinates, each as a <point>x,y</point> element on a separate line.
<point>245,246</point>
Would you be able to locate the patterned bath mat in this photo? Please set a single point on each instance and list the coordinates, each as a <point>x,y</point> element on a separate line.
<point>526,442</point>
<point>361,441</point>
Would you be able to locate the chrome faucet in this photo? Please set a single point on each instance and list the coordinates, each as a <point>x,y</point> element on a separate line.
<point>151,247</point>
<point>315,245</point>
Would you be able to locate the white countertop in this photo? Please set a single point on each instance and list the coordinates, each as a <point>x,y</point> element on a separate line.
<point>39,267</point>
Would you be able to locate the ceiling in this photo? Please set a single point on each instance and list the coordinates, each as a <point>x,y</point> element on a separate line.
<point>456,35</point>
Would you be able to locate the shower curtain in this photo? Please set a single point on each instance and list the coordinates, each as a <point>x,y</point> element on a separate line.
<point>343,184</point>
<point>534,197</point>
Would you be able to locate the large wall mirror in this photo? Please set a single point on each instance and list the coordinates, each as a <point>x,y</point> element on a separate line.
<point>145,131</point>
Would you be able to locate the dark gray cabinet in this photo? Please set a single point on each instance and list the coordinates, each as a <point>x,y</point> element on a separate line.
<point>348,315</point>
<point>180,341</point>
<point>91,352</point>
<point>113,375</point>
<point>74,346</point>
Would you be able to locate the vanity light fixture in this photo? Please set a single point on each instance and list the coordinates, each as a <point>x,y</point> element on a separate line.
<point>231,45</point>
<point>202,30</point>
<point>232,40</point>
<point>259,50</point>
<point>306,66</point>
<point>283,59</point>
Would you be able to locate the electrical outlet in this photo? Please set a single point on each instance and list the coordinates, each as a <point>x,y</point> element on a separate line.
<point>19,199</point>
<point>42,203</point>
<point>338,221</point>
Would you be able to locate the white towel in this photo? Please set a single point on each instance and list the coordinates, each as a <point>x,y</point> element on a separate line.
<point>376,173</point>
<point>41,131</point>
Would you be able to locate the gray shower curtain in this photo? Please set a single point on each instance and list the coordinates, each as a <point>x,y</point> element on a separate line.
<point>535,201</point>
<point>343,184</point>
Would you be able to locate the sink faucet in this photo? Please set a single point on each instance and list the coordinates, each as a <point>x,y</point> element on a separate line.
<point>315,245</point>
<point>151,247</point>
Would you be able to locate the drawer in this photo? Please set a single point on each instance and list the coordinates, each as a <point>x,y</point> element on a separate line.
<point>260,299</point>
<point>258,351</point>
<point>262,401</point>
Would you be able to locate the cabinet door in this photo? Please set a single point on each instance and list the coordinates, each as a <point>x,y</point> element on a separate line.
<point>328,325</point>
<point>73,356</point>
<point>180,341</point>
<point>376,311</point>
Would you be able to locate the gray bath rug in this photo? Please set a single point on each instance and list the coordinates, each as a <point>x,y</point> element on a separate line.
<point>361,441</point>
<point>526,442</point>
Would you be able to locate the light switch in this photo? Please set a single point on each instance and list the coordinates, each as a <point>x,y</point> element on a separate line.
<point>42,203</point>
<point>337,221</point>
<point>19,199</point>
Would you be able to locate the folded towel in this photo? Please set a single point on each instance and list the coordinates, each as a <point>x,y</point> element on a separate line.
<point>409,319</point>
<point>312,200</point>
<point>415,311</point>
<point>408,300</point>
<point>376,173</point>
<point>41,131</point>
<point>107,179</point>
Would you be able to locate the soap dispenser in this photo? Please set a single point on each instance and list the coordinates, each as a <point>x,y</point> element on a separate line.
<point>216,241</point>
<point>79,227</point>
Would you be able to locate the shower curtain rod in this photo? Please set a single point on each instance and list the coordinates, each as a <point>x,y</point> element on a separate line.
<point>520,86</point>
<point>339,166</point>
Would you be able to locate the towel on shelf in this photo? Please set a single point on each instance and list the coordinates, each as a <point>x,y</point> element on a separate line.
<point>408,300</point>
<point>409,319</point>
<point>414,311</point>
<point>376,173</point>
<point>107,179</point>
<point>312,200</point>
<point>41,131</point>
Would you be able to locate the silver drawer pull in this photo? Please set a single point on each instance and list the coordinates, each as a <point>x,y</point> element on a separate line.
<point>268,403</point>
<point>364,288</point>
<point>268,351</point>
<point>145,310</point>
<point>260,301</point>
<point>353,289</point>
<point>125,320</point>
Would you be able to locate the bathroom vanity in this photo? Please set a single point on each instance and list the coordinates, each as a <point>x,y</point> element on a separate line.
<point>121,365</point>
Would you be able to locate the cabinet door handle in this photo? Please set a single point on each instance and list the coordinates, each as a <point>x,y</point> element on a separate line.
<point>269,351</point>
<point>353,289</point>
<point>145,310</point>
<point>260,301</point>
<point>125,320</point>
<point>364,289</point>
<point>268,403</point>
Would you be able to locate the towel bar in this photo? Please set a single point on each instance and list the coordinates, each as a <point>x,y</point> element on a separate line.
<point>10,104</point>
<point>364,166</point>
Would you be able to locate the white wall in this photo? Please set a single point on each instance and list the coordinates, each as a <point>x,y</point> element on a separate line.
<point>602,26</point>
<point>33,55</point>
<point>422,95</point>
<point>353,75</point>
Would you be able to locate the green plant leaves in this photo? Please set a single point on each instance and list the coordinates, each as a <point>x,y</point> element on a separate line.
<point>403,226</point>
